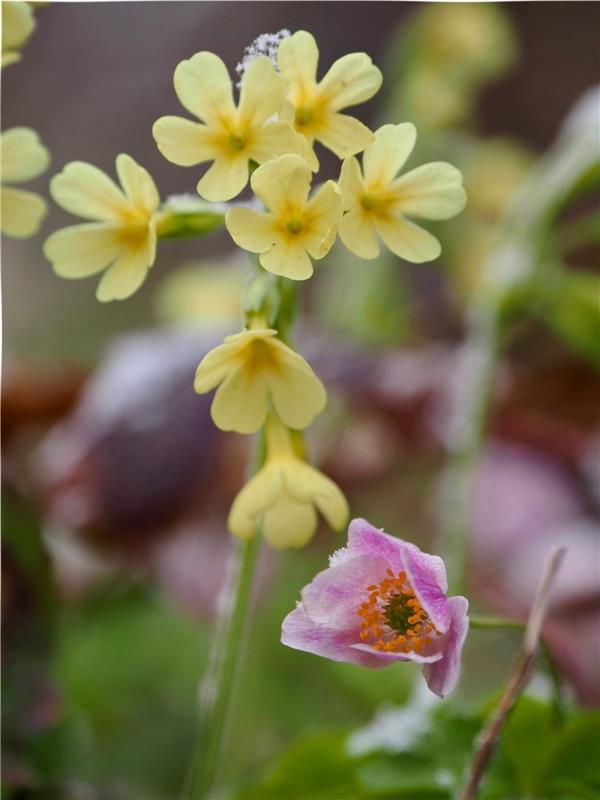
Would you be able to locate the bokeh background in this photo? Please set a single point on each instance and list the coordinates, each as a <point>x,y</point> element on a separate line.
<point>116,485</point>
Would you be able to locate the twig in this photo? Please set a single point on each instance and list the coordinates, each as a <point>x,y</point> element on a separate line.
<point>518,678</point>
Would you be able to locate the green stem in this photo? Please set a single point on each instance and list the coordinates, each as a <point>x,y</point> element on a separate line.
<point>227,653</point>
<point>467,427</point>
<point>492,623</point>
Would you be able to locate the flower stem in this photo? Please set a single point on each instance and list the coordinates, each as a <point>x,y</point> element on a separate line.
<point>466,432</point>
<point>218,682</point>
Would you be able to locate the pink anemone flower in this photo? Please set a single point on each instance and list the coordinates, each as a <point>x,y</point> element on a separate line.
<point>382,600</point>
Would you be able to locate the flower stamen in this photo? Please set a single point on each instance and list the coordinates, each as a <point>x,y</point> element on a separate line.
<point>393,619</point>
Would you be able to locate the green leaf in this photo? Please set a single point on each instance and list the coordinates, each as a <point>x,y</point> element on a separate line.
<point>571,306</point>
<point>527,737</point>
<point>574,760</point>
<point>318,766</point>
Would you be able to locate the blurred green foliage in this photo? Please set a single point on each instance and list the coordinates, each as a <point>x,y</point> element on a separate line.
<point>538,757</point>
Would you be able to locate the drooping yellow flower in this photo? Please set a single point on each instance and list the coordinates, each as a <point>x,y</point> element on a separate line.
<point>122,237</point>
<point>229,136</point>
<point>18,24</point>
<point>252,370</point>
<point>295,228</point>
<point>285,495</point>
<point>314,107</point>
<point>376,202</point>
<point>22,157</point>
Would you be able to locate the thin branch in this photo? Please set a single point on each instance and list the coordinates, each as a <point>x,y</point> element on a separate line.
<point>519,676</point>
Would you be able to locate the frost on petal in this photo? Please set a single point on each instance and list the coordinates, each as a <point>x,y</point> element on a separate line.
<point>442,676</point>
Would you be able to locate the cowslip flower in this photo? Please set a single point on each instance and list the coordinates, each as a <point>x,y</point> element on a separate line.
<point>314,106</point>
<point>253,369</point>
<point>122,237</point>
<point>18,24</point>
<point>22,157</point>
<point>284,496</point>
<point>294,228</point>
<point>227,135</point>
<point>382,600</point>
<point>376,202</point>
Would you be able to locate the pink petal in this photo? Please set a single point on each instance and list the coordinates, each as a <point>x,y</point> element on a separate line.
<point>334,595</point>
<point>300,632</point>
<point>364,539</point>
<point>424,578</point>
<point>442,676</point>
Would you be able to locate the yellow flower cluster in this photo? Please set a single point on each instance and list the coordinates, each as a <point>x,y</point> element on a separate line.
<point>267,135</point>
<point>18,24</point>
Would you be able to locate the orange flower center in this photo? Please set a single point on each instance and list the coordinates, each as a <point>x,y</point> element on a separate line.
<point>393,619</point>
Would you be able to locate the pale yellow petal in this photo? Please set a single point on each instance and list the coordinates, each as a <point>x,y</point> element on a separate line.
<point>137,184</point>
<point>357,232</point>
<point>407,240</point>
<point>240,403</point>
<point>21,213</point>
<point>344,135</point>
<point>351,183</point>
<point>128,272</point>
<point>224,179</point>
<point>18,24</point>
<point>307,484</point>
<point>261,92</point>
<point>22,155</point>
<point>289,524</point>
<point>289,259</point>
<point>87,192</point>
<point>82,250</point>
<point>215,365</point>
<point>322,218</point>
<point>259,494</point>
<point>298,57</point>
<point>10,57</point>
<point>203,86</point>
<point>252,230</point>
<point>297,393</point>
<point>184,142</point>
<point>350,80</point>
<point>275,139</point>
<point>385,157</point>
<point>433,191</point>
<point>282,183</point>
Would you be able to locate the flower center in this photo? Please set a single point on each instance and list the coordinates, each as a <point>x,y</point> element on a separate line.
<point>393,619</point>
<point>303,117</point>
<point>236,142</point>
<point>294,226</point>
<point>377,202</point>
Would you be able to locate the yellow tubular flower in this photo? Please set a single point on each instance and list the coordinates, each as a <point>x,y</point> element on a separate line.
<point>377,202</point>
<point>230,136</point>
<point>253,369</point>
<point>122,236</point>
<point>295,227</point>
<point>18,24</point>
<point>22,157</point>
<point>285,495</point>
<point>314,107</point>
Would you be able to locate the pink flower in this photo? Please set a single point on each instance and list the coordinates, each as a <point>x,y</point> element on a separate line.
<point>382,600</point>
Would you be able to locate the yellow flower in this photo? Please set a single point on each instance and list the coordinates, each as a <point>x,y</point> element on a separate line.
<point>314,107</point>
<point>284,496</point>
<point>377,202</point>
<point>295,227</point>
<point>253,369</point>
<point>230,136</point>
<point>18,24</point>
<point>22,157</point>
<point>122,237</point>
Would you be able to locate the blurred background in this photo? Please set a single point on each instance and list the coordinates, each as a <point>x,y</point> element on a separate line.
<point>116,485</point>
